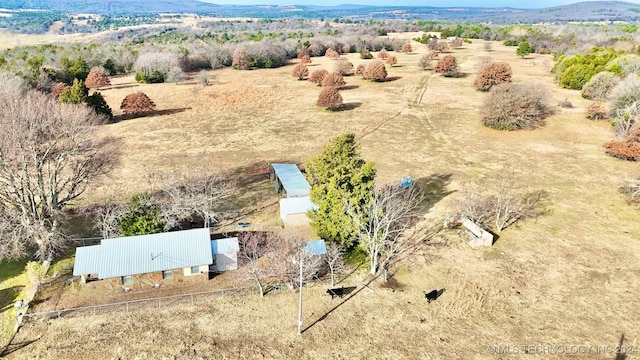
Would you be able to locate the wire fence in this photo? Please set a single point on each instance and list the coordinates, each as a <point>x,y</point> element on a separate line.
<point>158,302</point>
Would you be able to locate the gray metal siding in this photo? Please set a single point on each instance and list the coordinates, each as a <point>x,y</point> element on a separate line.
<point>292,179</point>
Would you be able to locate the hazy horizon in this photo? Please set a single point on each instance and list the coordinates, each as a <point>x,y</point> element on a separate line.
<point>466,3</point>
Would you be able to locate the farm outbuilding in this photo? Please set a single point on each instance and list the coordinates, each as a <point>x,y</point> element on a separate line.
<point>147,260</point>
<point>225,254</point>
<point>296,203</point>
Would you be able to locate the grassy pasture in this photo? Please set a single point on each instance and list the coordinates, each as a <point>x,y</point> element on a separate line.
<point>568,278</point>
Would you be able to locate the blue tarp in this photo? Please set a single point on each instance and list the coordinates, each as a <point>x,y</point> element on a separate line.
<point>292,180</point>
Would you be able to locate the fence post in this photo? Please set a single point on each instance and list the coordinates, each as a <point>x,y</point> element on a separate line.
<point>127,306</point>
<point>58,314</point>
<point>94,310</point>
<point>158,303</point>
<point>223,294</point>
<point>191,299</point>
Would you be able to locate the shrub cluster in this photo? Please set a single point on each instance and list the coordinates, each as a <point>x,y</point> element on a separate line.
<point>493,74</point>
<point>516,106</point>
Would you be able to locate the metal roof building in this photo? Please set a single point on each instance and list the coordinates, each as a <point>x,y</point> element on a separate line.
<point>291,179</point>
<point>315,247</point>
<point>145,254</point>
<point>225,246</point>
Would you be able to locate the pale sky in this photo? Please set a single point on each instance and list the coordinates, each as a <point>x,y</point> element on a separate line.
<point>439,3</point>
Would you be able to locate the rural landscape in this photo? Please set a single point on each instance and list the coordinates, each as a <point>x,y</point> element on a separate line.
<point>377,182</point>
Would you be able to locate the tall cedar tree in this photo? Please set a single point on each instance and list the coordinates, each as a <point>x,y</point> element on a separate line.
<point>448,66</point>
<point>339,175</point>
<point>76,94</point>
<point>97,79</point>
<point>329,98</point>
<point>493,74</point>
<point>137,103</point>
<point>142,217</point>
<point>317,76</point>
<point>375,71</point>
<point>300,71</point>
<point>333,79</point>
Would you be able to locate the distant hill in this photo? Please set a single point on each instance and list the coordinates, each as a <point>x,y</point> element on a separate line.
<point>112,6</point>
<point>582,11</point>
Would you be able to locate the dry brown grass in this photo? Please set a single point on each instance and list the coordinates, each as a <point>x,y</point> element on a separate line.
<point>568,278</point>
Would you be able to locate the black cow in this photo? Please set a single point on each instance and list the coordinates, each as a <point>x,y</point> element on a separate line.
<point>433,295</point>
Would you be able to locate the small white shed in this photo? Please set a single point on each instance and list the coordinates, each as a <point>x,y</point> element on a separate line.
<point>225,254</point>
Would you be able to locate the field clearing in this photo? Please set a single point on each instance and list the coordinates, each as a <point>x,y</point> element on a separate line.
<point>567,278</point>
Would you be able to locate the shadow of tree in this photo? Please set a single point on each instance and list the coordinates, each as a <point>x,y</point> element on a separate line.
<point>7,297</point>
<point>123,117</point>
<point>113,87</point>
<point>11,347</point>
<point>349,87</point>
<point>433,188</point>
<point>351,106</point>
<point>391,78</point>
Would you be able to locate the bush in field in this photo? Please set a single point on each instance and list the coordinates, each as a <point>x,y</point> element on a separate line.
<point>343,67</point>
<point>57,89</point>
<point>392,60</point>
<point>456,43</point>
<point>599,86</point>
<point>203,78</point>
<point>383,54</point>
<point>493,74</point>
<point>318,75</point>
<point>329,98</point>
<point>300,71</point>
<point>359,70</point>
<point>524,49</point>
<point>448,66</point>
<point>425,62</point>
<point>76,94</point>
<point>97,79</point>
<point>153,67</point>
<point>624,65</point>
<point>332,54</point>
<point>406,48</point>
<point>624,94</point>
<point>597,111</point>
<point>375,71</point>
<point>433,54</point>
<point>305,59</point>
<point>575,71</point>
<point>333,79</point>
<point>346,49</point>
<point>516,106</point>
<point>175,75</point>
<point>241,59</point>
<point>137,103</point>
<point>365,54</point>
<point>627,149</point>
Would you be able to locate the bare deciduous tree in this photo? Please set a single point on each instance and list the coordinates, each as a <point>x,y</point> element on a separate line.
<point>175,75</point>
<point>49,154</point>
<point>425,62</point>
<point>300,71</point>
<point>253,249</point>
<point>391,212</point>
<point>516,106</point>
<point>627,149</point>
<point>158,62</point>
<point>500,201</point>
<point>333,258</point>
<point>96,80</point>
<point>137,103</point>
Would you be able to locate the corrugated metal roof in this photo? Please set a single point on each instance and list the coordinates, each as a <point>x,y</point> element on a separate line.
<point>225,246</point>
<point>315,247</point>
<point>292,179</point>
<point>148,253</point>
<point>87,260</point>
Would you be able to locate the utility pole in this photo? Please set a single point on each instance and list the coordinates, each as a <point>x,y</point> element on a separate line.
<point>300,301</point>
